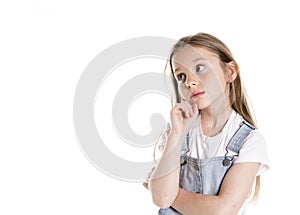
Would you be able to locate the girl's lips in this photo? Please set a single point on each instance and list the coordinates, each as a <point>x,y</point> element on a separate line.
<point>198,94</point>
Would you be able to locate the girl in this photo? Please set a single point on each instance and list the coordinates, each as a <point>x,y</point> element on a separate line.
<point>212,152</point>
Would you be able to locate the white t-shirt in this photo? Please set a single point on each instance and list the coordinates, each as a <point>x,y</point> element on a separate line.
<point>254,148</point>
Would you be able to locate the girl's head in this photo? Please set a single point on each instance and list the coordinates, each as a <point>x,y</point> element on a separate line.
<point>206,73</point>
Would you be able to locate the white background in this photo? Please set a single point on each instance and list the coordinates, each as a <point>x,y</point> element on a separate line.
<point>46,45</point>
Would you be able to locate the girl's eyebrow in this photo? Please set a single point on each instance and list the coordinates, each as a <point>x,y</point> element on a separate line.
<point>177,69</point>
<point>198,59</point>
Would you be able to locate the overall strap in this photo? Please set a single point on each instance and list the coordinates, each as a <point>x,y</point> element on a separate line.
<point>186,145</point>
<point>185,149</point>
<point>237,141</point>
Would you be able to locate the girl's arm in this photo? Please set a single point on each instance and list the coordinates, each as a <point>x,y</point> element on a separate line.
<point>163,183</point>
<point>234,191</point>
<point>164,180</point>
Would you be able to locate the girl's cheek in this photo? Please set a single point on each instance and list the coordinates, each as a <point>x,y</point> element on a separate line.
<point>185,93</point>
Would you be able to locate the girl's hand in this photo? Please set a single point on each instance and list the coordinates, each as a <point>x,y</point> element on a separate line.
<point>182,117</point>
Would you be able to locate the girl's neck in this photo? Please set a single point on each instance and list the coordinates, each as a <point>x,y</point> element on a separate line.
<point>214,120</point>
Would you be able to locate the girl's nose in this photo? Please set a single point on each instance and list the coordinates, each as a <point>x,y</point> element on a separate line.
<point>191,80</point>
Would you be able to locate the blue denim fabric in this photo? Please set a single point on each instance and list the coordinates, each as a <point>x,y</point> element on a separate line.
<point>205,176</point>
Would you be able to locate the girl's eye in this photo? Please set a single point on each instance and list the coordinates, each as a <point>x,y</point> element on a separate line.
<point>200,68</point>
<point>181,77</point>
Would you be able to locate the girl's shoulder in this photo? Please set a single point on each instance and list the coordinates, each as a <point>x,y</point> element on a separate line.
<point>255,135</point>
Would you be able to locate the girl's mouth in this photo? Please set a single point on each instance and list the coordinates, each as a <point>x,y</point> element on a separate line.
<point>198,94</point>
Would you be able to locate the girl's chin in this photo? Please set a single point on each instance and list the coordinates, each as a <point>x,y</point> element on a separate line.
<point>201,106</point>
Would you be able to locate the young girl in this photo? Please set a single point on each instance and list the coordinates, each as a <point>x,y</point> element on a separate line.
<point>212,152</point>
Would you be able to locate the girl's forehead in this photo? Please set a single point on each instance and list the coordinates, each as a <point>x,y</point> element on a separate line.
<point>191,54</point>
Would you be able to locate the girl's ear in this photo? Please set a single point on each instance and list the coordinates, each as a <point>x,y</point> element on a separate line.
<point>231,71</point>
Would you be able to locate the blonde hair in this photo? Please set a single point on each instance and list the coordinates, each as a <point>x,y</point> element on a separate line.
<point>237,94</point>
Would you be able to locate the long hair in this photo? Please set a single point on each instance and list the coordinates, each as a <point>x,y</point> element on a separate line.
<point>237,94</point>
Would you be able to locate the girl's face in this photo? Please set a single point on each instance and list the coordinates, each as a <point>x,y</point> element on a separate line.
<point>200,77</point>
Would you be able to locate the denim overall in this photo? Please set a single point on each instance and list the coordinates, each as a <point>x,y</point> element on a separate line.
<point>205,176</point>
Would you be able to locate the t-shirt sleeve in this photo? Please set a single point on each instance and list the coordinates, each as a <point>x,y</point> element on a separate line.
<point>162,140</point>
<point>254,150</point>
